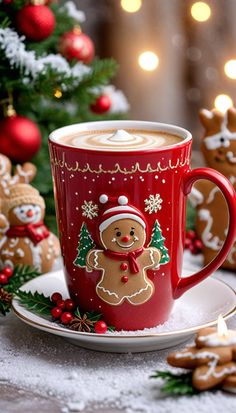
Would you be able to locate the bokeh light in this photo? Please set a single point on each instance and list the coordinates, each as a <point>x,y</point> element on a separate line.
<point>57,93</point>
<point>201,11</point>
<point>131,6</point>
<point>230,68</point>
<point>148,60</point>
<point>223,102</point>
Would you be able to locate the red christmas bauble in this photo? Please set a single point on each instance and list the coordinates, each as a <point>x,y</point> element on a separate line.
<point>36,22</point>
<point>76,45</point>
<point>102,105</point>
<point>100,327</point>
<point>20,138</point>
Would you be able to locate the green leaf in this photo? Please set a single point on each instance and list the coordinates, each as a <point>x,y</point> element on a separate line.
<point>176,384</point>
<point>21,274</point>
<point>77,313</point>
<point>94,316</point>
<point>35,302</point>
<point>4,308</point>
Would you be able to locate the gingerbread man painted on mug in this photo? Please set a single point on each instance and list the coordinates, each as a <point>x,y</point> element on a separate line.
<point>123,260</point>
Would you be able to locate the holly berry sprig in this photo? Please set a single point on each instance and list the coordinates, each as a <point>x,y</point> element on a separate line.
<point>64,311</point>
<point>10,282</point>
<point>193,243</point>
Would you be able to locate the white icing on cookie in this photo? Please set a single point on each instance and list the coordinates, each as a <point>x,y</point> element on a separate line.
<point>213,243</point>
<point>28,214</point>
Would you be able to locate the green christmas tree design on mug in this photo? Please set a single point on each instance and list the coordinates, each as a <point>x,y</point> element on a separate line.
<point>157,241</point>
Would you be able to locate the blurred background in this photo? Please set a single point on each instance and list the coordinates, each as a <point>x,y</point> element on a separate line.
<point>191,61</point>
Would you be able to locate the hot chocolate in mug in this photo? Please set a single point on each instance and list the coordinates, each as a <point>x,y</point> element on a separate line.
<point>120,192</point>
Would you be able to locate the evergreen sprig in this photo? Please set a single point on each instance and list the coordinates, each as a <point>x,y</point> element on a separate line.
<point>176,384</point>
<point>36,302</point>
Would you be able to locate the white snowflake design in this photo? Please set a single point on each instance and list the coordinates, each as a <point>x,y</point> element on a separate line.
<point>89,209</point>
<point>153,203</point>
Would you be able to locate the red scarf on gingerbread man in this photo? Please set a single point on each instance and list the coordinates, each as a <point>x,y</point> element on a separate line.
<point>128,256</point>
<point>36,232</point>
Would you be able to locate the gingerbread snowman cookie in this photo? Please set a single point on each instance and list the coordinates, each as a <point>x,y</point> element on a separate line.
<point>27,240</point>
<point>123,259</point>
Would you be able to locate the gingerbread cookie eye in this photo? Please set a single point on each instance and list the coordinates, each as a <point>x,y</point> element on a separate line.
<point>118,233</point>
<point>217,141</point>
<point>131,232</point>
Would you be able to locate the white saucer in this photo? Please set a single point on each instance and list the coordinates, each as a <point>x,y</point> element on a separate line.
<point>212,296</point>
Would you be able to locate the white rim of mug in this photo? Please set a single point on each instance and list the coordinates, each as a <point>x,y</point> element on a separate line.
<point>121,124</point>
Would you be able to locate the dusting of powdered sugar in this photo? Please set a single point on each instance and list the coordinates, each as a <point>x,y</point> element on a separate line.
<point>182,317</point>
<point>83,380</point>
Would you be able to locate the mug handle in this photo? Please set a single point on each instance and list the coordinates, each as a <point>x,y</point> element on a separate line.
<point>182,284</point>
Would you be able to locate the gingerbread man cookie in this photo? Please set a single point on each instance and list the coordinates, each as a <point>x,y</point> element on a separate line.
<point>123,259</point>
<point>212,364</point>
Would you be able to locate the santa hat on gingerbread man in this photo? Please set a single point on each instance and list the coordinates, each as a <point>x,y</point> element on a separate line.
<point>118,208</point>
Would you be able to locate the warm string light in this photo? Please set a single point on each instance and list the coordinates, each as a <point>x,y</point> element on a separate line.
<point>148,61</point>
<point>131,6</point>
<point>230,68</point>
<point>57,93</point>
<point>223,102</point>
<point>200,11</point>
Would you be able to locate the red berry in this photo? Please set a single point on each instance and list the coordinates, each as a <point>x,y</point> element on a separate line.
<point>70,305</point>
<point>198,244</point>
<point>8,271</point>
<point>100,327</point>
<point>187,243</point>
<point>191,234</point>
<point>193,249</point>
<point>56,312</point>
<point>66,317</point>
<point>55,297</point>
<point>61,304</point>
<point>3,279</point>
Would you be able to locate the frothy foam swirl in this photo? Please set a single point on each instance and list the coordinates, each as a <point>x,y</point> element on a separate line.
<point>115,140</point>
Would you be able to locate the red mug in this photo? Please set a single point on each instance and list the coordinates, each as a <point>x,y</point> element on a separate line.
<point>121,218</point>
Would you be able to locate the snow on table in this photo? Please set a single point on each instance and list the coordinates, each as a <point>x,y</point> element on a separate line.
<point>78,378</point>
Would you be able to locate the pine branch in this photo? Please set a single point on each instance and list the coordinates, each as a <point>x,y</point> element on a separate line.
<point>176,384</point>
<point>4,308</point>
<point>21,274</point>
<point>35,302</point>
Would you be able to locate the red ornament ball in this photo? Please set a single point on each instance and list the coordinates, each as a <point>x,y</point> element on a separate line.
<point>8,271</point>
<point>55,297</point>
<point>56,312</point>
<point>100,327</point>
<point>76,45</point>
<point>20,138</point>
<point>3,279</point>
<point>36,22</point>
<point>69,304</point>
<point>61,304</point>
<point>102,105</point>
<point>66,317</point>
